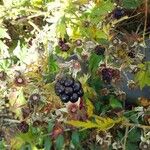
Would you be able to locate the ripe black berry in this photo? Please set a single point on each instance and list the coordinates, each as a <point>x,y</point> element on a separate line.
<point>99,50</point>
<point>118,13</point>
<point>69,82</point>
<point>74,98</point>
<point>59,89</point>
<point>77,86</point>
<point>23,127</point>
<point>65,47</point>
<point>62,80</point>
<point>80,93</point>
<point>69,90</point>
<point>65,98</point>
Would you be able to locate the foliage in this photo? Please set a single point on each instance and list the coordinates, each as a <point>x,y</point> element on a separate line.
<point>42,40</point>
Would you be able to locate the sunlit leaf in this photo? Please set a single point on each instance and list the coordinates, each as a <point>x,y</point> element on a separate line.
<point>90,107</point>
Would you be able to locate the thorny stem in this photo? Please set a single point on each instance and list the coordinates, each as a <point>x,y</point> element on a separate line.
<point>136,125</point>
<point>145,23</point>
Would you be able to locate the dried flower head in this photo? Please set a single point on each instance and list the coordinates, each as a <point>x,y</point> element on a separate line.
<point>35,98</point>
<point>20,81</point>
<point>144,146</point>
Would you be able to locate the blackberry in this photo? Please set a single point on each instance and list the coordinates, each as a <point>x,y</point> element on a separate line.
<point>107,75</point>
<point>99,50</point>
<point>65,98</point>
<point>68,89</point>
<point>80,93</point>
<point>59,89</point>
<point>77,86</point>
<point>62,80</point>
<point>23,127</point>
<point>74,98</point>
<point>65,47</point>
<point>118,13</point>
<point>69,82</point>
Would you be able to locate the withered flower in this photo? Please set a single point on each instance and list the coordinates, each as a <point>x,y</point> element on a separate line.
<point>20,81</point>
<point>35,98</point>
<point>144,146</point>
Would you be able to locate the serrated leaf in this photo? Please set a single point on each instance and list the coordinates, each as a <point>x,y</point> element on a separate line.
<point>143,76</point>
<point>102,124</point>
<point>90,107</point>
<point>59,142</point>
<point>100,10</point>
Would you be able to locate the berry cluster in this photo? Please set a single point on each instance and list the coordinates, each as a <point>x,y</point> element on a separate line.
<point>108,74</point>
<point>68,89</point>
<point>63,45</point>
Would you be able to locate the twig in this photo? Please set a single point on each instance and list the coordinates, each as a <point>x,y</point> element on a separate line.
<point>125,138</point>
<point>136,125</point>
<point>145,23</point>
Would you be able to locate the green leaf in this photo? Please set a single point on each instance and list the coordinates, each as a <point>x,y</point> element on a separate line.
<point>47,143</point>
<point>131,4</point>
<point>75,139</point>
<point>2,146</point>
<point>94,62</point>
<point>59,142</point>
<point>52,64</point>
<point>132,146</point>
<point>115,103</point>
<point>100,10</point>
<point>61,27</point>
<point>134,135</point>
<point>143,76</point>
<point>50,126</point>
